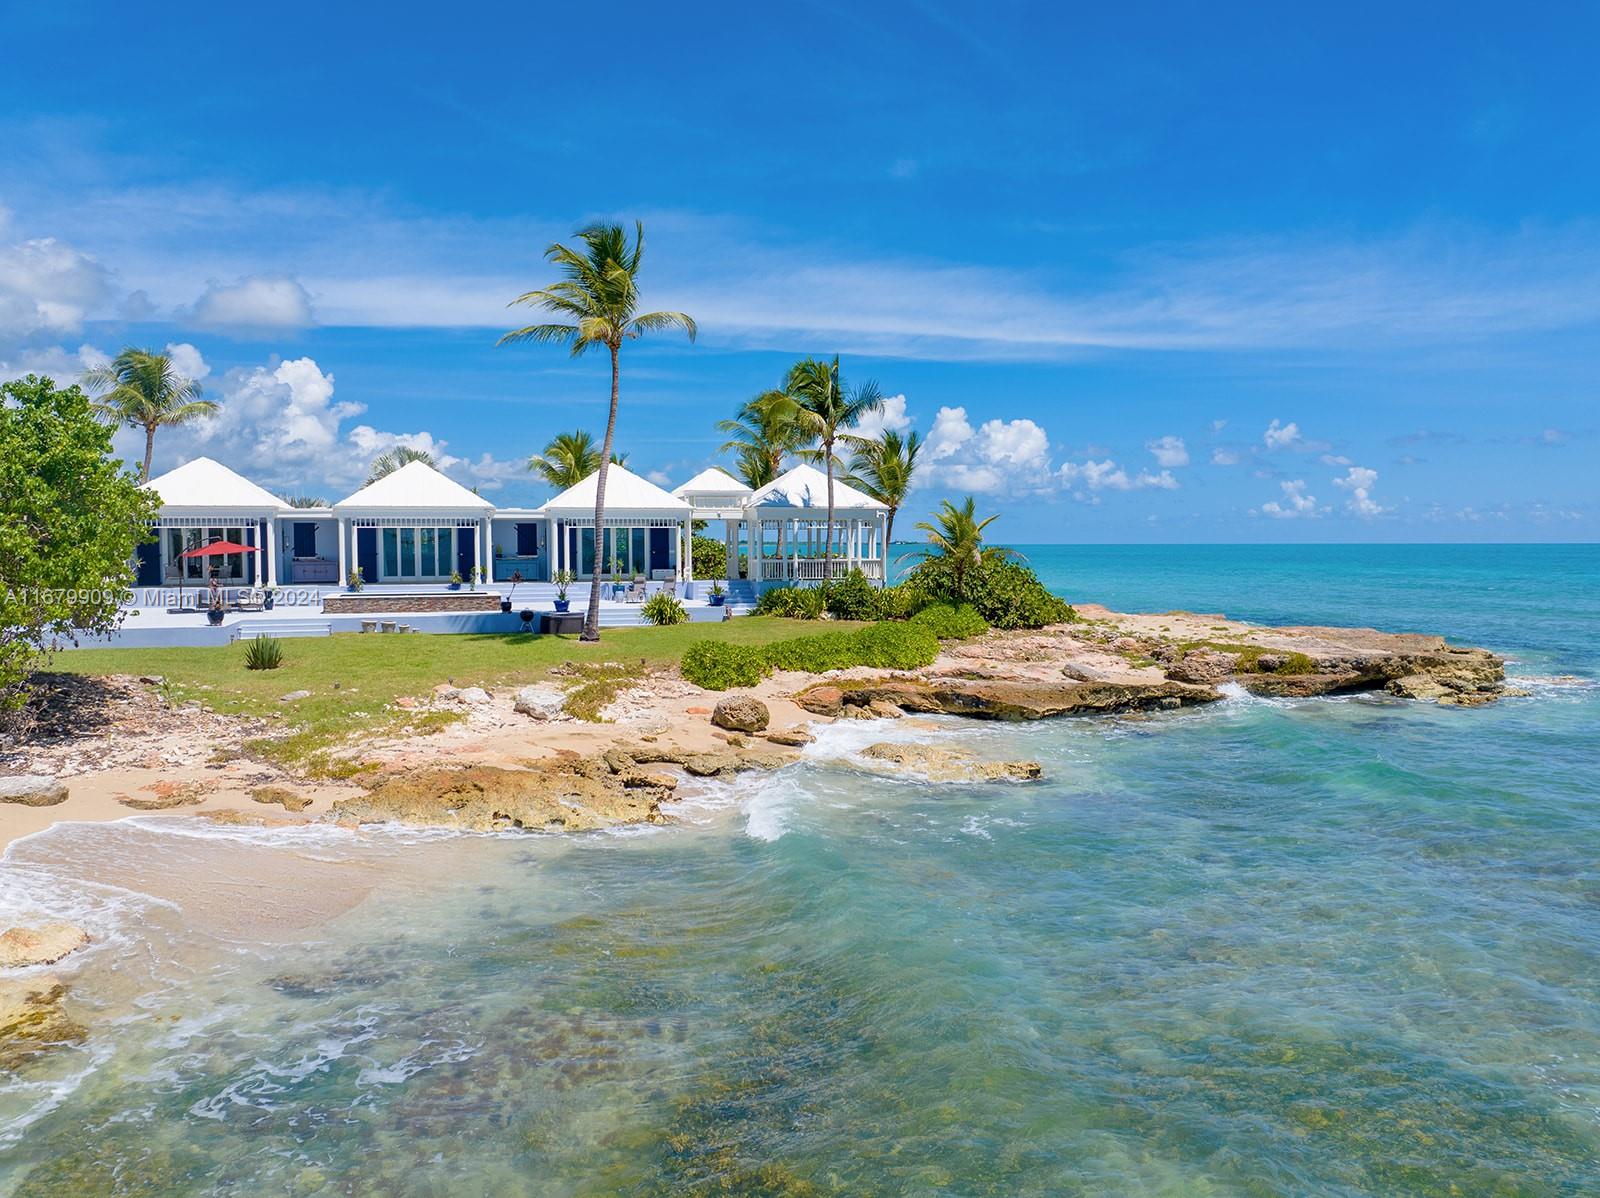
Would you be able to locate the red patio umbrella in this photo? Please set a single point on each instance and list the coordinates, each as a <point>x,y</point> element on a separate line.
<point>215,549</point>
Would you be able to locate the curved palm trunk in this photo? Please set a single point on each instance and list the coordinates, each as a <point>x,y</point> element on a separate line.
<point>149,452</point>
<point>591,622</point>
<point>888,532</point>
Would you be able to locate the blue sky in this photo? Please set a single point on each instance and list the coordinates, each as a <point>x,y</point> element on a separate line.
<point>1147,273</point>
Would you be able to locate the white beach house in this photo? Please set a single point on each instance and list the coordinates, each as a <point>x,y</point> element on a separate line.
<point>416,527</point>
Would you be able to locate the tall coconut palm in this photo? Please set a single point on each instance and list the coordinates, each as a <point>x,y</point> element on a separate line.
<point>401,455</point>
<point>883,468</point>
<point>140,388</point>
<point>827,412</point>
<point>598,294</point>
<point>304,501</point>
<point>764,432</point>
<point>956,535</point>
<point>570,458</point>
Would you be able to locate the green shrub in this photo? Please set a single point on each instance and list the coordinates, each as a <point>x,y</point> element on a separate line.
<point>1007,594</point>
<point>718,666</point>
<point>795,603</point>
<point>853,598</point>
<point>900,602</point>
<point>708,557</point>
<point>890,645</point>
<point>263,653</point>
<point>662,608</point>
<point>949,622</point>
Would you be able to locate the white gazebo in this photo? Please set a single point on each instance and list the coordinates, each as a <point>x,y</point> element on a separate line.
<point>646,530</point>
<point>203,502</point>
<point>714,494</point>
<point>413,525</point>
<point>789,534</point>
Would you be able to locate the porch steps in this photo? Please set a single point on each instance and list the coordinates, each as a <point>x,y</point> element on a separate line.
<point>279,628</point>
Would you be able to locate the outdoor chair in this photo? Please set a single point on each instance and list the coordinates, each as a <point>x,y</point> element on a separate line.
<point>670,588</point>
<point>636,591</point>
<point>253,599</point>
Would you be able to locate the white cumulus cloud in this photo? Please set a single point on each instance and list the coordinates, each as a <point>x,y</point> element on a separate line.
<point>950,432</point>
<point>1359,481</point>
<point>47,287</point>
<point>261,302</point>
<point>892,417</point>
<point>1169,451</point>
<point>1281,436</point>
<point>1296,503</point>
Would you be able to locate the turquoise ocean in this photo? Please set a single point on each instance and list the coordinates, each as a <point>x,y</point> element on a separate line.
<point>1322,947</point>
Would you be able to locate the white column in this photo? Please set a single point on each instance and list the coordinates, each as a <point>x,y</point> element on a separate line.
<point>685,551</point>
<point>344,551</point>
<point>755,542</point>
<point>477,544</point>
<point>272,552</point>
<point>730,542</point>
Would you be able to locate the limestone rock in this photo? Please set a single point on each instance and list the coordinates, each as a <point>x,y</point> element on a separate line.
<point>294,696</point>
<point>282,795</point>
<point>557,794</point>
<point>1204,666</point>
<point>1020,699</point>
<point>884,710</point>
<point>952,765</point>
<point>473,696</point>
<point>32,790</point>
<point>741,713</point>
<point>32,1021</point>
<point>43,945</point>
<point>821,700</point>
<point>792,737</point>
<point>542,702</point>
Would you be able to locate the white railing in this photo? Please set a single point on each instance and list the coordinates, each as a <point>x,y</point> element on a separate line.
<point>814,569</point>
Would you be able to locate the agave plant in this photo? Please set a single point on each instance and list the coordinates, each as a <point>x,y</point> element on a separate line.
<point>263,653</point>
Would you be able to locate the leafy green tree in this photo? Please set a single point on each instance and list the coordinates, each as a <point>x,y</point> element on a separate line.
<point>570,458</point>
<point>827,411</point>
<point>70,519</point>
<point>598,295</point>
<point>141,389</point>
<point>304,501</point>
<point>764,432</point>
<point>884,468</point>
<point>956,536</point>
<point>386,464</point>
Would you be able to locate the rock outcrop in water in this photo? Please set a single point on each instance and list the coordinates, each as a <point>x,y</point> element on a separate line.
<point>563,794</point>
<point>1111,663</point>
<point>32,1021</point>
<point>42,945</point>
<point>936,764</point>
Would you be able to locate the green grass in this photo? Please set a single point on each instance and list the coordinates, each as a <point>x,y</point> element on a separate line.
<point>354,679</point>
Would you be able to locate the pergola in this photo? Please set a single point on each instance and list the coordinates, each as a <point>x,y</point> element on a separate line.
<point>790,539</point>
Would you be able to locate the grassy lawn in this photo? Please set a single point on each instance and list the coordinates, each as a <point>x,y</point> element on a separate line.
<point>354,678</point>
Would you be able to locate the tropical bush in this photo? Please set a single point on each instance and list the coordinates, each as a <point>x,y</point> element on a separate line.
<point>795,603</point>
<point>1007,594</point>
<point>853,598</point>
<point>885,646</point>
<point>709,556</point>
<point>263,653</point>
<point>718,666</point>
<point>662,608</point>
<point>950,622</point>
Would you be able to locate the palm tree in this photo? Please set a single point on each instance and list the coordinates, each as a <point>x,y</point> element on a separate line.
<point>569,459</point>
<point>761,435</point>
<point>599,294</point>
<point>883,469</point>
<point>826,411</point>
<point>304,501</point>
<point>401,455</point>
<point>957,536</point>
<point>142,390</point>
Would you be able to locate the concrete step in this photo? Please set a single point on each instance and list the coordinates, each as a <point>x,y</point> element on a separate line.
<point>280,629</point>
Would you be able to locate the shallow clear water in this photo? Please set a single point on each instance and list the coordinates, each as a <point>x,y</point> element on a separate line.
<point>1323,947</point>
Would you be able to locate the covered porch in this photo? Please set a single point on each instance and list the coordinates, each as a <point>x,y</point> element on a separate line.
<point>790,539</point>
<point>645,533</point>
<point>413,526</point>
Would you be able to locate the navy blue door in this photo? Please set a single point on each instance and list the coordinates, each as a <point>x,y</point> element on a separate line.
<point>367,553</point>
<point>149,557</point>
<point>466,552</point>
<point>660,549</point>
<point>305,539</point>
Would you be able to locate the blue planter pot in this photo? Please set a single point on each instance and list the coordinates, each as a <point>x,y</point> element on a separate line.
<point>718,600</point>
<point>563,604</point>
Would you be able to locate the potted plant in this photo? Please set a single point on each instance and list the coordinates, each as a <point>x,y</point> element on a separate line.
<point>354,580</point>
<point>455,580</point>
<point>516,577</point>
<point>268,596</point>
<point>718,595</point>
<point>563,580</point>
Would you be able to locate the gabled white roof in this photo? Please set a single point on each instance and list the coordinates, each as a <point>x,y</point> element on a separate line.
<point>205,483</point>
<point>711,481</point>
<point>625,492</point>
<point>416,485</point>
<point>806,486</point>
